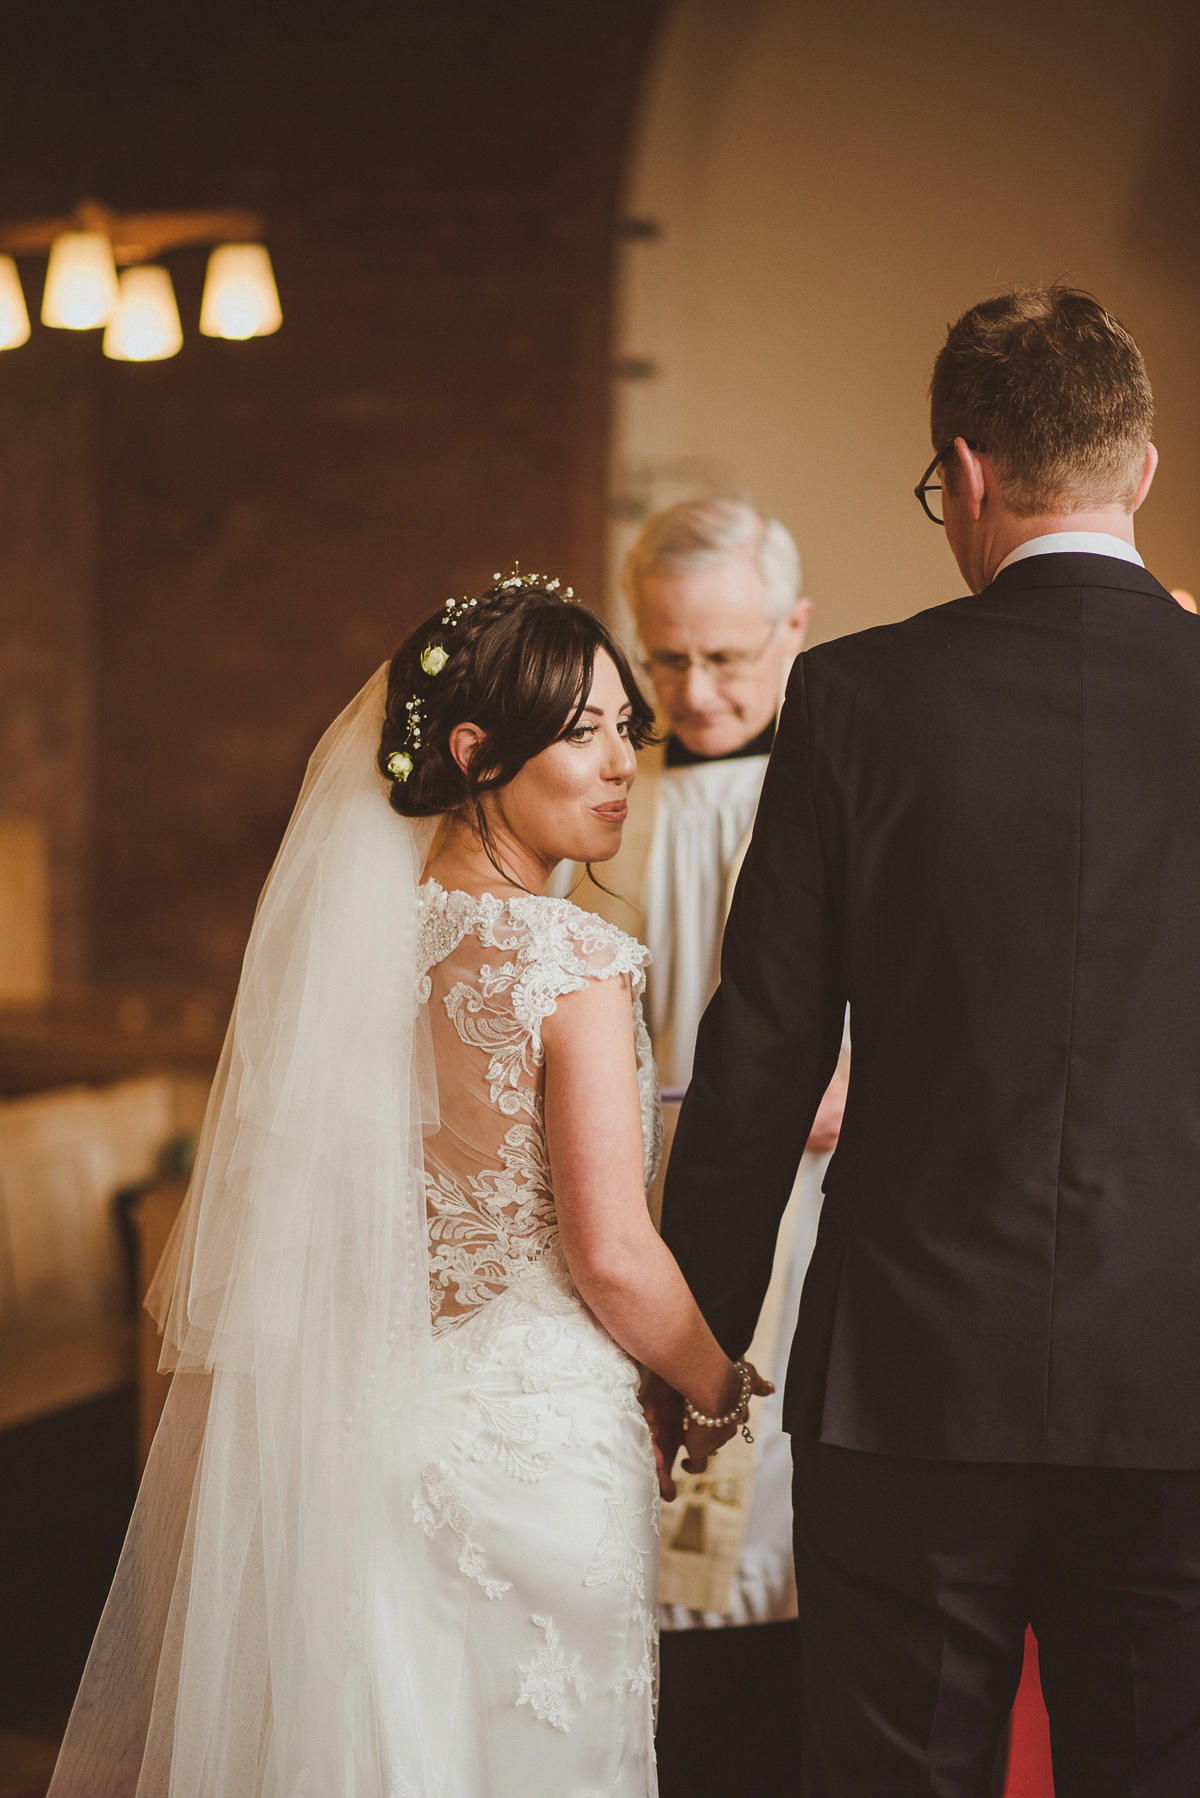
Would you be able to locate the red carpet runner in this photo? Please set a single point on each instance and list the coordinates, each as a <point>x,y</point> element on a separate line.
<point>1029,1774</point>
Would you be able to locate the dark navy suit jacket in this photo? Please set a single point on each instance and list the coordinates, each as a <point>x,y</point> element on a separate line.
<point>981,829</point>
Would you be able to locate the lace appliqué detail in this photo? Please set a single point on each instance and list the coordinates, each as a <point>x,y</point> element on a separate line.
<point>644,1676</point>
<point>439,1505</point>
<point>547,1674</point>
<point>443,921</point>
<point>649,1098</point>
<point>556,947</point>
<point>617,1555</point>
<point>509,1433</point>
<point>482,1233</point>
<point>497,1031</point>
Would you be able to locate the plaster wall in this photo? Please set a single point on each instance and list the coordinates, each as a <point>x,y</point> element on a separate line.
<point>835,185</point>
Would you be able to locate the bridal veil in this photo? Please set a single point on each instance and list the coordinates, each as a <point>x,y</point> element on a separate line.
<point>242,1646</point>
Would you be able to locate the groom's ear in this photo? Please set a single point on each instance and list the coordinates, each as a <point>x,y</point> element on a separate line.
<point>1149,465</point>
<point>965,475</point>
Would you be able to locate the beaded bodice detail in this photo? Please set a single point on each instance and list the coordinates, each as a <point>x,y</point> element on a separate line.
<point>491,971</point>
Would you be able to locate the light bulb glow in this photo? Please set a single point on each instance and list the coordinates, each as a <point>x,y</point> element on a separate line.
<point>81,282</point>
<point>145,325</point>
<point>240,297</point>
<point>14,318</point>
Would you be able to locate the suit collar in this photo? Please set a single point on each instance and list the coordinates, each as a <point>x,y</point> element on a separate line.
<point>1073,569</point>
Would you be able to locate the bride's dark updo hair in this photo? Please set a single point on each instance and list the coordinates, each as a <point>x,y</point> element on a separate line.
<point>518,663</point>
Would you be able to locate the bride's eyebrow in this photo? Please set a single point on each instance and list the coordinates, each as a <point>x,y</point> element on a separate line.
<point>597,711</point>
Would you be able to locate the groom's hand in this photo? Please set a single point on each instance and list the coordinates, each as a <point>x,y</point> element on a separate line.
<point>664,1413</point>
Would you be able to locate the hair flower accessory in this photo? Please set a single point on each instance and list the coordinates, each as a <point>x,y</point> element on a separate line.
<point>456,609</point>
<point>433,658</point>
<point>400,763</point>
<point>517,579</point>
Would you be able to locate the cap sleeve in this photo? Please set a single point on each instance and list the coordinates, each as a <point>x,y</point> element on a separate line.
<point>566,948</point>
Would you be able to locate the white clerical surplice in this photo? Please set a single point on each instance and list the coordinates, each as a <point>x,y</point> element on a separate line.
<point>703,818</point>
<point>726,1539</point>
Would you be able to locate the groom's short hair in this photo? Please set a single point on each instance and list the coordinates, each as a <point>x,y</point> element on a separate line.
<point>1055,389</point>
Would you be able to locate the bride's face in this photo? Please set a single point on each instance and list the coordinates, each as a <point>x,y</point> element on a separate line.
<point>568,803</point>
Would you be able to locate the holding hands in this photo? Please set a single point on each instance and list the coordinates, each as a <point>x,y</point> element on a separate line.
<point>676,1423</point>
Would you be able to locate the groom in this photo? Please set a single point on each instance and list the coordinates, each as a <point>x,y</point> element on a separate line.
<point>981,828</point>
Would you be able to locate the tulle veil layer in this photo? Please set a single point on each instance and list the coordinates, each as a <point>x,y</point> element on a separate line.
<point>262,1594</point>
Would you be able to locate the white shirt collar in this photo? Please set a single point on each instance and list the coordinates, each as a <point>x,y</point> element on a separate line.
<point>1074,543</point>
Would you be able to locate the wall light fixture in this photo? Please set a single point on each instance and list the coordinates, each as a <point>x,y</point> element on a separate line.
<point>138,309</point>
<point>14,317</point>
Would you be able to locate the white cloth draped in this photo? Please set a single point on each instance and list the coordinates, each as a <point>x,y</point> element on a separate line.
<point>763,1587</point>
<point>686,834</point>
<point>705,812</point>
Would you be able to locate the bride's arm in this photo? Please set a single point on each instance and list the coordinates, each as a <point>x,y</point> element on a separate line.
<point>621,1266</point>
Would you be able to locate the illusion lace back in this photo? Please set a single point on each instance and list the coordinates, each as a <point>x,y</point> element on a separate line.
<point>493,971</point>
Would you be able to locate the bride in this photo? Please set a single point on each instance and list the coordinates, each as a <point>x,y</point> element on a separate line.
<point>397,1537</point>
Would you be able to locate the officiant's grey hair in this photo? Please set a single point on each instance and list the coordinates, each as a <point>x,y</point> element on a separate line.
<point>696,533</point>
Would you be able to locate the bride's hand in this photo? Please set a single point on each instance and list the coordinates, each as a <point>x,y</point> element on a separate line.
<point>664,1413</point>
<point>700,1442</point>
<point>703,1440</point>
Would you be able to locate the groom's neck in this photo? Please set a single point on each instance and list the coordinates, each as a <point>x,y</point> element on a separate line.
<point>984,543</point>
<point>1108,521</point>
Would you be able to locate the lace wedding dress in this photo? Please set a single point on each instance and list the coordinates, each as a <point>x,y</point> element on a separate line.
<point>538,1490</point>
<point>397,1534</point>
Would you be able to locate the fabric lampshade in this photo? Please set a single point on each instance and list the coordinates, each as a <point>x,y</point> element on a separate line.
<point>14,318</point>
<point>81,282</point>
<point>145,325</point>
<point>240,297</point>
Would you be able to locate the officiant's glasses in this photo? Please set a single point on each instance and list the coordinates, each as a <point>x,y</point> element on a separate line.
<point>929,491</point>
<point>724,667</point>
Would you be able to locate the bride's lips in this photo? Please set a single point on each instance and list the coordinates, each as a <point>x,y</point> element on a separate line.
<point>616,813</point>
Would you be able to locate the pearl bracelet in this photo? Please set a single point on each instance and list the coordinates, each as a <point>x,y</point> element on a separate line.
<point>739,1414</point>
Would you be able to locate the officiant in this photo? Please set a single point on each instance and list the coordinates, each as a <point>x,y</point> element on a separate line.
<point>715,592</point>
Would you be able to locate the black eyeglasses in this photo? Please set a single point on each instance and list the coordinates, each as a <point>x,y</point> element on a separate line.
<point>929,491</point>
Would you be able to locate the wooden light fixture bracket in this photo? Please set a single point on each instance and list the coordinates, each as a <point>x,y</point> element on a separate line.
<point>135,236</point>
